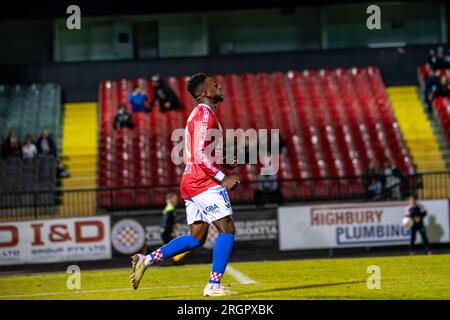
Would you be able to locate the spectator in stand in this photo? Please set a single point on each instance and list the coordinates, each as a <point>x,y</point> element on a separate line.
<point>442,89</point>
<point>438,61</point>
<point>417,212</point>
<point>29,150</point>
<point>11,147</point>
<point>138,100</point>
<point>45,145</point>
<point>372,182</point>
<point>168,100</point>
<point>268,189</point>
<point>391,180</point>
<point>123,119</point>
<point>447,59</point>
<point>431,80</point>
<point>416,182</point>
<point>431,57</point>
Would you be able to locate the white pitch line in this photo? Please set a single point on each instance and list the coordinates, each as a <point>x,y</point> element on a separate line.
<point>239,276</point>
<point>91,291</point>
<point>43,294</point>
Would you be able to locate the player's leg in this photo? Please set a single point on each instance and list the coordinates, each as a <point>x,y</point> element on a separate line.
<point>199,230</point>
<point>222,248</point>
<point>139,262</point>
<point>167,237</point>
<point>426,243</point>
<point>412,240</point>
<point>218,211</point>
<point>183,243</point>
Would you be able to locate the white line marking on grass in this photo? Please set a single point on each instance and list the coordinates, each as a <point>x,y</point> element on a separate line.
<point>239,276</point>
<point>43,294</point>
<point>91,291</point>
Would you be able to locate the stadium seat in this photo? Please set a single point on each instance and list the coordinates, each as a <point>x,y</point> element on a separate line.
<point>333,122</point>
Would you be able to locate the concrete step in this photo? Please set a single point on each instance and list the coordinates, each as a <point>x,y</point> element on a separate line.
<point>80,166</point>
<point>83,172</point>
<point>79,182</point>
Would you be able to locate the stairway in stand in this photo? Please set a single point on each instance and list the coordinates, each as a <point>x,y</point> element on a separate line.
<point>79,155</point>
<point>419,135</point>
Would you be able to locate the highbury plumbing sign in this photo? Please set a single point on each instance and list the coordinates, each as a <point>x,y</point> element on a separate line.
<point>356,225</point>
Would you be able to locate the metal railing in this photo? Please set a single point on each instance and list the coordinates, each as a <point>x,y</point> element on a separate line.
<point>79,202</point>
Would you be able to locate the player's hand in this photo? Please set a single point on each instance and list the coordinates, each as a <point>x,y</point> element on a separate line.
<point>231,183</point>
<point>230,166</point>
<point>417,219</point>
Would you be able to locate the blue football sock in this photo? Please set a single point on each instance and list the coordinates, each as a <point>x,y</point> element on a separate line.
<point>221,255</point>
<point>179,245</point>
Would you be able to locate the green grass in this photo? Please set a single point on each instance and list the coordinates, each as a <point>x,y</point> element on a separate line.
<point>418,277</point>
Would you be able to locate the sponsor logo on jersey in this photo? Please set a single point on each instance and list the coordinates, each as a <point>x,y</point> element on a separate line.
<point>211,208</point>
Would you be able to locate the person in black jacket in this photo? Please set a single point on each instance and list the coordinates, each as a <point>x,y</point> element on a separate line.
<point>372,181</point>
<point>168,100</point>
<point>441,89</point>
<point>45,144</point>
<point>437,58</point>
<point>123,119</point>
<point>11,147</point>
<point>417,212</point>
<point>391,179</point>
<point>430,81</point>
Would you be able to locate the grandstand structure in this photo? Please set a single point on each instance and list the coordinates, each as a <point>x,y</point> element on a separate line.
<point>334,122</point>
<point>339,103</point>
<point>442,107</point>
<point>29,110</point>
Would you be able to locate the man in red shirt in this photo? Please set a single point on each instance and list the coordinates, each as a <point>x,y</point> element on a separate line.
<point>204,187</point>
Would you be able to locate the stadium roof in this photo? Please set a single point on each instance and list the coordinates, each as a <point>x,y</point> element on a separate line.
<point>46,9</point>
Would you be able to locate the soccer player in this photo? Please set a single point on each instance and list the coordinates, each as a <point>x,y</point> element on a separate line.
<point>204,187</point>
<point>417,212</point>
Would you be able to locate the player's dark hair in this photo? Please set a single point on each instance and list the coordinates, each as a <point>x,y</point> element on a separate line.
<point>135,86</point>
<point>170,195</point>
<point>194,82</point>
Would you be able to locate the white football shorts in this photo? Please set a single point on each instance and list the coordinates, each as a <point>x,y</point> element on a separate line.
<point>211,205</point>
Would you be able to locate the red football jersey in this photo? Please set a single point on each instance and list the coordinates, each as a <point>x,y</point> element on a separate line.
<point>201,171</point>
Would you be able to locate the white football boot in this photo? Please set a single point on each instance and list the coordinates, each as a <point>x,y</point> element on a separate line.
<point>216,290</point>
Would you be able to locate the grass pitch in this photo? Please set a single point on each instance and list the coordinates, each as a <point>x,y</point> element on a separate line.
<point>403,277</point>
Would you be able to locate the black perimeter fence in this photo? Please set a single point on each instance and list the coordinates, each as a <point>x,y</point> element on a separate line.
<point>104,200</point>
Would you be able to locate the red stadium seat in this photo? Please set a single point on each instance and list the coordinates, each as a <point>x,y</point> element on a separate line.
<point>333,122</point>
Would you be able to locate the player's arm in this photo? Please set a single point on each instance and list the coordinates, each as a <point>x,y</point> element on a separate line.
<point>423,211</point>
<point>229,162</point>
<point>205,121</point>
<point>229,166</point>
<point>407,212</point>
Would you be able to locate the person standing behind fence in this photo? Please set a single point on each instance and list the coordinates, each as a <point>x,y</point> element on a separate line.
<point>417,213</point>
<point>169,222</point>
<point>45,145</point>
<point>29,150</point>
<point>392,179</point>
<point>372,182</point>
<point>11,147</point>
